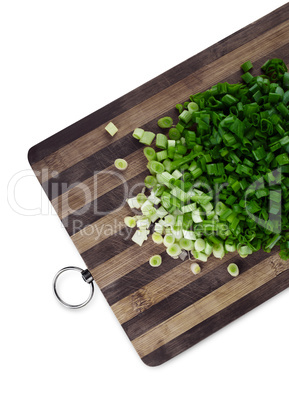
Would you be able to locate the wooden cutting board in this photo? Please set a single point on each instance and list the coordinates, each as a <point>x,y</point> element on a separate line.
<point>163,310</point>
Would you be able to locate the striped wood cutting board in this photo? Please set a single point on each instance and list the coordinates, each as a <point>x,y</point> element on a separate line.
<point>164,310</point>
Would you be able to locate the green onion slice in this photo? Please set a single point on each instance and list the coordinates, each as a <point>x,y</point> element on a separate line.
<point>233,269</point>
<point>169,239</point>
<point>195,268</point>
<point>200,244</point>
<point>111,128</point>
<point>149,153</point>
<point>130,221</point>
<point>186,244</point>
<point>120,164</point>
<point>165,122</point>
<point>157,238</point>
<point>174,250</point>
<point>155,260</point>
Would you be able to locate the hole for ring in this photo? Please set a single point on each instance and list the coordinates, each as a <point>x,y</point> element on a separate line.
<point>70,289</point>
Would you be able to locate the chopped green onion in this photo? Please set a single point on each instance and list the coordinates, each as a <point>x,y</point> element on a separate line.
<point>243,255</point>
<point>141,198</point>
<point>149,153</point>
<point>170,220</point>
<point>111,129</point>
<point>140,236</point>
<point>161,141</point>
<point>120,164</point>
<point>208,248</point>
<point>179,107</point>
<point>246,66</point>
<point>162,155</point>
<point>282,159</point>
<point>231,144</point>
<point>200,244</point>
<point>189,234</point>
<point>156,167</point>
<point>197,215</point>
<point>147,138</point>
<point>193,107</point>
<point>218,250</point>
<point>165,122</point>
<point>174,250</point>
<point>230,245</point>
<point>200,256</point>
<point>157,238</point>
<point>150,181</point>
<point>143,222</point>
<point>185,116</point>
<point>174,134</point>
<point>161,212</point>
<point>159,228</point>
<point>133,203</point>
<point>169,239</point>
<point>244,250</point>
<point>247,77</point>
<point>186,244</point>
<point>130,221</point>
<point>154,199</point>
<point>177,174</point>
<point>138,132</point>
<point>233,269</point>
<point>171,148</point>
<point>147,208</point>
<point>155,260</point>
<point>195,268</point>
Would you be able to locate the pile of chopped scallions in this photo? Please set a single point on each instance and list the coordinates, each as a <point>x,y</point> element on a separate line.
<point>218,180</point>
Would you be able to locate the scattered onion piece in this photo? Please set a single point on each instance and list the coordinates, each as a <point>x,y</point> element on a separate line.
<point>120,164</point>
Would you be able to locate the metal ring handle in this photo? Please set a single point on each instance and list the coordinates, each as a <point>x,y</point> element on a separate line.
<point>89,281</point>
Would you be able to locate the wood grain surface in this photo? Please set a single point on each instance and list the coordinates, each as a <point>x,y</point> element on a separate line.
<point>163,310</point>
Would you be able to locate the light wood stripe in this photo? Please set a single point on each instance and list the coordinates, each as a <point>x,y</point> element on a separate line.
<point>115,268</point>
<point>216,71</point>
<point>98,185</point>
<point>208,306</point>
<point>162,287</point>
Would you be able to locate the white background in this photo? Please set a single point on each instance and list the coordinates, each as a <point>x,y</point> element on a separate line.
<point>60,61</point>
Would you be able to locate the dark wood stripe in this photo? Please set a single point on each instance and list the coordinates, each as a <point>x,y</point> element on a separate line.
<point>156,85</point>
<point>218,321</point>
<point>138,278</point>
<point>188,295</point>
<point>107,249</point>
<point>109,202</point>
